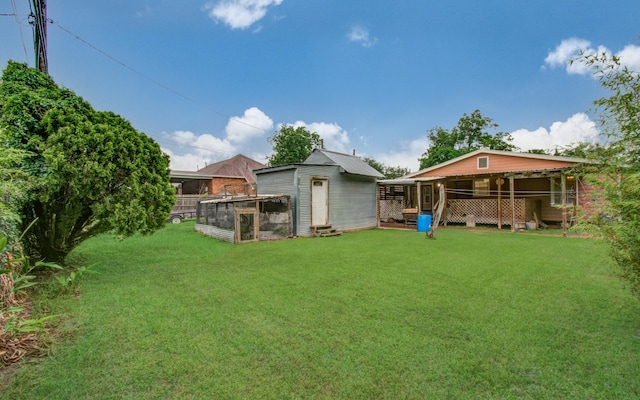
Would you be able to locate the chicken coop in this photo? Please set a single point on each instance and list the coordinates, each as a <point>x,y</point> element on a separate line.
<point>246,218</point>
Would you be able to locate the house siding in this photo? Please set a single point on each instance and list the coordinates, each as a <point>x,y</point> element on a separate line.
<point>497,164</point>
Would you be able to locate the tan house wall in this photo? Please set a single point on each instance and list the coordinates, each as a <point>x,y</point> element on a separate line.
<point>497,164</point>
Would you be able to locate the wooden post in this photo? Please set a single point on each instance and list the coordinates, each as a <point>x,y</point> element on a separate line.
<point>563,184</point>
<point>40,34</point>
<point>512,199</point>
<point>499,182</point>
<point>419,205</point>
<point>444,207</point>
<point>378,188</point>
<point>438,214</point>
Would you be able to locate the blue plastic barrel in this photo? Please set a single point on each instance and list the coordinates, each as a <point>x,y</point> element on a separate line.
<point>424,223</point>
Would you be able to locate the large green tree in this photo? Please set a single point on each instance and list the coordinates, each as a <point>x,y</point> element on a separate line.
<point>617,175</point>
<point>14,186</point>
<point>471,133</point>
<point>389,172</point>
<point>292,145</point>
<point>92,171</point>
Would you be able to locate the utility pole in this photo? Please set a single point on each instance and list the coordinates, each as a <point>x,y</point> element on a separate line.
<point>40,34</point>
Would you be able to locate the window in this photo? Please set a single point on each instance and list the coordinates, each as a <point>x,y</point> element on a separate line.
<point>483,162</point>
<point>481,187</point>
<point>461,190</point>
<point>556,191</point>
<point>411,197</point>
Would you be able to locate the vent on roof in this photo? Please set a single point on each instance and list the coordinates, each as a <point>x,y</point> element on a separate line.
<point>483,162</point>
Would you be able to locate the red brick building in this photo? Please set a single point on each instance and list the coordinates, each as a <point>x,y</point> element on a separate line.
<point>231,177</point>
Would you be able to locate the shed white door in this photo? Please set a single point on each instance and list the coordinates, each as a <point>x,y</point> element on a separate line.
<point>319,202</point>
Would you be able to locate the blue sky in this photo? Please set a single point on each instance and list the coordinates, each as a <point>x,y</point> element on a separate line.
<point>211,79</point>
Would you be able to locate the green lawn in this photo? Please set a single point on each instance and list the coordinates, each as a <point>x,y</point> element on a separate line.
<point>378,314</point>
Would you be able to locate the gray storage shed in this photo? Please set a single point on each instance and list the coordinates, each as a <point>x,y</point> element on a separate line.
<point>327,189</point>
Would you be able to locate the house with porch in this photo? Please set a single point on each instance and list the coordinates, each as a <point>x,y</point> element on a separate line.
<point>489,187</point>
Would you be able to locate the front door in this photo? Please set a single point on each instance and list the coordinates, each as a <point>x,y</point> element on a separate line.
<point>319,202</point>
<point>427,204</point>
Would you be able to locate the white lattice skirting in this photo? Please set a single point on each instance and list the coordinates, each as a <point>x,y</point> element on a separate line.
<point>484,211</point>
<point>391,210</point>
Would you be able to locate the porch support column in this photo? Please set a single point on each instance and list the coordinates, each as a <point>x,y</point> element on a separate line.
<point>378,188</point>
<point>563,184</point>
<point>512,198</point>
<point>419,205</point>
<point>499,184</point>
<point>442,198</point>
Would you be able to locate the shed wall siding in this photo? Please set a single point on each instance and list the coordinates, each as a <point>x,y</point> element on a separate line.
<point>305,173</point>
<point>353,203</point>
<point>352,199</point>
<point>317,157</point>
<point>280,182</point>
<point>214,231</point>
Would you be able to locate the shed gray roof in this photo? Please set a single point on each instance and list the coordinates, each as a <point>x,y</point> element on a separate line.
<point>350,164</point>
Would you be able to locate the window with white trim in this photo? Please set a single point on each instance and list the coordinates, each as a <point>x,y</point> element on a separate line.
<point>483,162</point>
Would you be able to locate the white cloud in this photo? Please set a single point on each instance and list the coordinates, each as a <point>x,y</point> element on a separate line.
<point>360,35</point>
<point>187,162</point>
<point>241,134</point>
<point>577,128</point>
<point>571,49</point>
<point>239,14</point>
<point>253,124</point>
<point>335,138</point>
<point>183,137</point>
<point>203,149</point>
<point>406,157</point>
<point>630,56</point>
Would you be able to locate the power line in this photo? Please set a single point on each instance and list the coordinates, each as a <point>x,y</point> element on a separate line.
<point>15,14</point>
<point>154,81</point>
<point>226,153</point>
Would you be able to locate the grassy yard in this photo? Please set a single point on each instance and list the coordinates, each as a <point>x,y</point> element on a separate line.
<point>367,315</point>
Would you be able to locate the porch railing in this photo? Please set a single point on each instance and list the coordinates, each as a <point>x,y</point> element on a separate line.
<point>188,202</point>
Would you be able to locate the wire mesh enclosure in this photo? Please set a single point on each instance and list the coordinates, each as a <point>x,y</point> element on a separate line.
<point>246,218</point>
